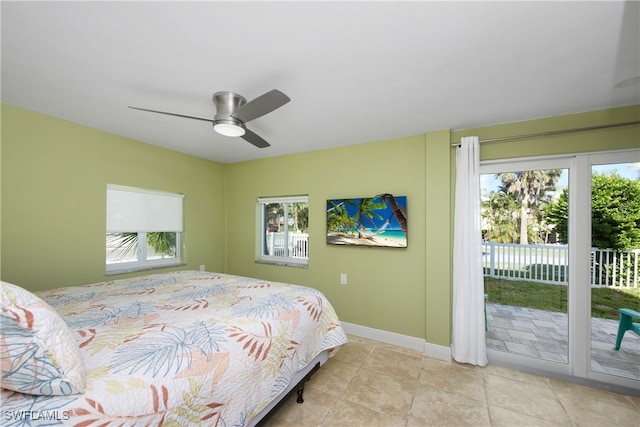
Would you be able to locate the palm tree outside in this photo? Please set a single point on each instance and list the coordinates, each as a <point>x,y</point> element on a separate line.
<point>529,189</point>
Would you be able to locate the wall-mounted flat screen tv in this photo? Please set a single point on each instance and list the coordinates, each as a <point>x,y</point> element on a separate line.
<point>379,221</point>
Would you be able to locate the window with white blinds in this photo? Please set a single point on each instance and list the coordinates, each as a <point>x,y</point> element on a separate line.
<point>143,228</point>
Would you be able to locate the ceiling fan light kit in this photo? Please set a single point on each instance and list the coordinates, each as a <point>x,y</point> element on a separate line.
<point>228,128</point>
<point>233,111</point>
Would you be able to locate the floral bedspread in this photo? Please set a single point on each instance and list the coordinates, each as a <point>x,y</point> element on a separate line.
<point>182,348</point>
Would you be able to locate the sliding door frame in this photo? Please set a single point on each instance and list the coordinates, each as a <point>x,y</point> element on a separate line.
<point>577,369</point>
<point>522,362</point>
<point>591,159</point>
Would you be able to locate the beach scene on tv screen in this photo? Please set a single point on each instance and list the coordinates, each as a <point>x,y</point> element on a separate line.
<point>368,221</point>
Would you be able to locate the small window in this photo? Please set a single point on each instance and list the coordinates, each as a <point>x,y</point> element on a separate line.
<point>143,229</point>
<point>284,230</point>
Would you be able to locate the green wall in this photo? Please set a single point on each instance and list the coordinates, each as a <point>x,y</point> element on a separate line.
<point>54,177</point>
<point>386,286</point>
<point>617,138</point>
<point>52,217</point>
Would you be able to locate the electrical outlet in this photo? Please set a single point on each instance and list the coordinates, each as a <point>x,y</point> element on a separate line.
<point>202,267</point>
<point>343,278</point>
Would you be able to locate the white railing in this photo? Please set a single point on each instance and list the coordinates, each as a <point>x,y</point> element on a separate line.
<point>297,246</point>
<point>549,264</point>
<point>615,269</point>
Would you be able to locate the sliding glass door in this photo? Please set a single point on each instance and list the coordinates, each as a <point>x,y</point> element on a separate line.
<point>560,252</point>
<point>614,265</point>
<point>525,262</point>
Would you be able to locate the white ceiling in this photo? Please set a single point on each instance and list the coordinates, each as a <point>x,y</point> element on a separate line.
<point>356,72</point>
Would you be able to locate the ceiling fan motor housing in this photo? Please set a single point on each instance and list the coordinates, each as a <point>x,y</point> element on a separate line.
<point>226,103</point>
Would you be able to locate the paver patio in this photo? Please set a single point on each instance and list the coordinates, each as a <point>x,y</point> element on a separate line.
<point>543,334</point>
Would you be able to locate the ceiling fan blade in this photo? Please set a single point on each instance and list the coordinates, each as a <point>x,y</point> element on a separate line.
<point>255,139</point>
<point>206,119</point>
<point>260,106</point>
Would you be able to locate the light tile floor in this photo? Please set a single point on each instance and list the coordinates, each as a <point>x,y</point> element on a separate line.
<point>368,383</point>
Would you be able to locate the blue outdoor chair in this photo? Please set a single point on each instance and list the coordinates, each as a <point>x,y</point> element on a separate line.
<point>626,324</point>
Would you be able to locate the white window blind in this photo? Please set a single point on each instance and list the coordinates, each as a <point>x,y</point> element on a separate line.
<point>131,209</point>
<point>284,199</point>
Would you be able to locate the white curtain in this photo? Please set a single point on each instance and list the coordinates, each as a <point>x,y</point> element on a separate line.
<point>468,344</point>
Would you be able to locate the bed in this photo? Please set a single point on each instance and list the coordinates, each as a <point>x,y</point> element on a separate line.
<point>181,348</point>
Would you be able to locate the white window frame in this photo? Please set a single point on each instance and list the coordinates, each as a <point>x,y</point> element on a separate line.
<point>173,223</point>
<point>286,260</point>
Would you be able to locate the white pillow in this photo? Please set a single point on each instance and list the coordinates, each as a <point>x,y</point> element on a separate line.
<point>38,354</point>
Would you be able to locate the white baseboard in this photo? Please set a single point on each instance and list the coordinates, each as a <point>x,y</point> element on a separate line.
<point>436,351</point>
<point>428,349</point>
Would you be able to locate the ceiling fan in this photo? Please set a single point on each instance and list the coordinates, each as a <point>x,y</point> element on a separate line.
<point>233,111</point>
